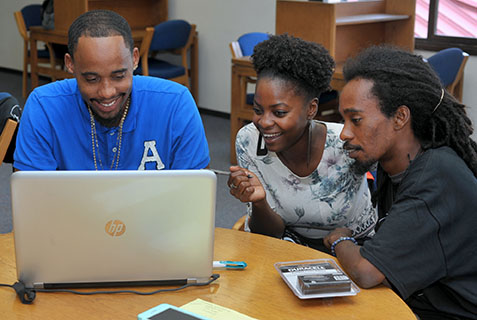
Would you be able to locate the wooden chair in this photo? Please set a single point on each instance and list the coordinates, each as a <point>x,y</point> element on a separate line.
<point>239,225</point>
<point>10,113</point>
<point>6,137</point>
<point>456,88</point>
<point>31,16</point>
<point>235,49</point>
<point>244,47</point>
<point>175,36</point>
<point>449,65</point>
<point>144,51</point>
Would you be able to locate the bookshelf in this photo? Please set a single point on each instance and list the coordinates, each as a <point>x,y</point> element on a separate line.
<point>139,13</point>
<point>345,28</point>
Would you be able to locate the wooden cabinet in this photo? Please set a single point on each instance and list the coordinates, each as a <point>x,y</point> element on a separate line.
<point>347,27</point>
<point>139,13</point>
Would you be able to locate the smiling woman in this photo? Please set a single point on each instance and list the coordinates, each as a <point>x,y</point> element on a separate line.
<point>293,172</point>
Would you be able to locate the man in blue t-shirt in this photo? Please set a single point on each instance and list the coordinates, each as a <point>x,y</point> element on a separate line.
<point>106,118</point>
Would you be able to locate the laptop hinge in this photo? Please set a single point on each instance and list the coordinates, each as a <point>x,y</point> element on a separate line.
<point>197,280</point>
<point>38,285</point>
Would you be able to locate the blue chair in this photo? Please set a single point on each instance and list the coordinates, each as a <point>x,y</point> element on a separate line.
<point>28,17</point>
<point>449,65</point>
<point>248,41</point>
<point>244,47</point>
<point>174,36</point>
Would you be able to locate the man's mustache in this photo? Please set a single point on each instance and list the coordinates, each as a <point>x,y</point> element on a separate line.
<point>351,147</point>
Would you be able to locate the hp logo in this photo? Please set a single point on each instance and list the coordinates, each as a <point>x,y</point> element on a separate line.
<point>115,228</point>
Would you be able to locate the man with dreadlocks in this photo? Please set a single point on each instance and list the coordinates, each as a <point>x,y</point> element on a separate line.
<point>398,114</point>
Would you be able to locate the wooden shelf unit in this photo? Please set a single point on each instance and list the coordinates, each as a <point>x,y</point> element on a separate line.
<point>345,28</point>
<point>139,13</point>
<point>369,18</point>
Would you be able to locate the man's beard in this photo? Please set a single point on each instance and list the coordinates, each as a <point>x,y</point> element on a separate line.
<point>111,122</point>
<point>361,167</point>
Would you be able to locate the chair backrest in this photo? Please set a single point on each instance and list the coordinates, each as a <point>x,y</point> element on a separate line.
<point>447,63</point>
<point>21,25</point>
<point>170,35</point>
<point>32,15</point>
<point>239,225</point>
<point>10,113</point>
<point>248,41</point>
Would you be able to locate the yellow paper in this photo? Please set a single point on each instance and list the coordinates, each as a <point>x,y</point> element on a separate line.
<point>214,311</point>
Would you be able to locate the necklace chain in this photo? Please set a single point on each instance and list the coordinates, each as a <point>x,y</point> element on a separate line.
<point>94,139</point>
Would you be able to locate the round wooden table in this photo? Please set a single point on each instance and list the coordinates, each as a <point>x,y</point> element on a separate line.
<point>258,291</point>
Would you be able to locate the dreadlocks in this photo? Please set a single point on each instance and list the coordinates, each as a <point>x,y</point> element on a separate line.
<point>401,78</point>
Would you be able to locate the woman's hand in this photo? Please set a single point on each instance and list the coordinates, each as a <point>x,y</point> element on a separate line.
<point>244,185</point>
<point>335,235</point>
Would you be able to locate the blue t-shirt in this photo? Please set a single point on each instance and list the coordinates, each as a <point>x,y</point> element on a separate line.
<point>162,130</point>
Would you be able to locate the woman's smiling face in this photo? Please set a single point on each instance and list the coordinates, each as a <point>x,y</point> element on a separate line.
<point>280,114</point>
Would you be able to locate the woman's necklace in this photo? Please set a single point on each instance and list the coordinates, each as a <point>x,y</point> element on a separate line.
<point>94,139</point>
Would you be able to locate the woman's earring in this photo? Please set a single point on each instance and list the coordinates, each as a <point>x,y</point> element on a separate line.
<point>310,142</point>
<point>261,146</point>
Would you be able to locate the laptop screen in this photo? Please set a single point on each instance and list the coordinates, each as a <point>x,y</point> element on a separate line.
<point>101,227</point>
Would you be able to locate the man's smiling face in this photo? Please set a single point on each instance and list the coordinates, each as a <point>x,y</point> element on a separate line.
<point>103,68</point>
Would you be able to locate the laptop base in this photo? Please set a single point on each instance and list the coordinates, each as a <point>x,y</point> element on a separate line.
<point>113,284</point>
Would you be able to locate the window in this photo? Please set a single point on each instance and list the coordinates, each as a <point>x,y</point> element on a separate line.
<point>441,24</point>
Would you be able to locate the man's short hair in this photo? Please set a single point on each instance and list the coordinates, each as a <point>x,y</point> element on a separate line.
<point>99,24</point>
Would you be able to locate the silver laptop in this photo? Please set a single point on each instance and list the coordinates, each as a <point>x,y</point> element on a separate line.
<point>113,228</point>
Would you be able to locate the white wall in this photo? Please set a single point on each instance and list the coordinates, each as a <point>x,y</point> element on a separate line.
<point>470,92</point>
<point>11,50</point>
<point>218,22</point>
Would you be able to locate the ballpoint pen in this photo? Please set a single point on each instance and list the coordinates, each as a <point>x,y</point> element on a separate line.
<point>229,264</point>
<point>226,173</point>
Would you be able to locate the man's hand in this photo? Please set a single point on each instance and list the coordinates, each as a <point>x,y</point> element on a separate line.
<point>365,274</point>
<point>335,235</point>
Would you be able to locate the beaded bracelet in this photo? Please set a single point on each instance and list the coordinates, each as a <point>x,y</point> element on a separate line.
<point>334,244</point>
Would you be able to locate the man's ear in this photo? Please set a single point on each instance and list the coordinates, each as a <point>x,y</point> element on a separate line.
<point>402,117</point>
<point>69,63</point>
<point>312,108</point>
<point>135,57</point>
